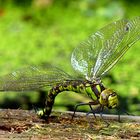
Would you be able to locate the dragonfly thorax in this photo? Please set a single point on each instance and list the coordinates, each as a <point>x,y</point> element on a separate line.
<point>108,97</point>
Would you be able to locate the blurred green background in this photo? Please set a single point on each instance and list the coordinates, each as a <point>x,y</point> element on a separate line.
<point>35,32</point>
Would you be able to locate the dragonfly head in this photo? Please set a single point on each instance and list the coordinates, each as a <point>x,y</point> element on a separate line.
<point>108,97</point>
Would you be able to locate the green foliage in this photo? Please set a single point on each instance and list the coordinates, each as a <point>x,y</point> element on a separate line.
<point>32,35</point>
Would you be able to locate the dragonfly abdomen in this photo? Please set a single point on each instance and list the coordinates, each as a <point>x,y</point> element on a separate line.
<point>92,89</point>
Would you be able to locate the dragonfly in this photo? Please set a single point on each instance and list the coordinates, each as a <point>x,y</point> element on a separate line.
<point>93,58</point>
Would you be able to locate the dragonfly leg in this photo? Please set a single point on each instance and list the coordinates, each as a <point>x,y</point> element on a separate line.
<point>100,110</point>
<point>93,111</point>
<point>82,104</point>
<point>124,111</point>
<point>101,115</point>
<point>118,109</point>
<point>76,106</point>
<point>119,113</point>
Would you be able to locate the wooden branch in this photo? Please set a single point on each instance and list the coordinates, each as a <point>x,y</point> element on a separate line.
<point>26,124</point>
<point>109,116</point>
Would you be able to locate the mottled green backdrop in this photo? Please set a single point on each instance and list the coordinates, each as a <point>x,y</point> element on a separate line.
<point>35,32</point>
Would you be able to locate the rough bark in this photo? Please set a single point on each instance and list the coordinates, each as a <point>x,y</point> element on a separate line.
<point>23,124</point>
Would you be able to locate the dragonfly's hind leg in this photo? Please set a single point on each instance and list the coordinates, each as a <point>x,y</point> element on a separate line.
<point>82,104</point>
<point>98,110</point>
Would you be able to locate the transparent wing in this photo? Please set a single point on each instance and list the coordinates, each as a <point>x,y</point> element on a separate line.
<point>33,78</point>
<point>103,49</point>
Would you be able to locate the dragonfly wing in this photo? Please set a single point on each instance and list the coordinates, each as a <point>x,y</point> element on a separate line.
<point>33,78</point>
<point>103,49</point>
<point>115,47</point>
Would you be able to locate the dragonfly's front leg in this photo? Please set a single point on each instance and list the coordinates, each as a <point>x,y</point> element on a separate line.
<point>120,111</point>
